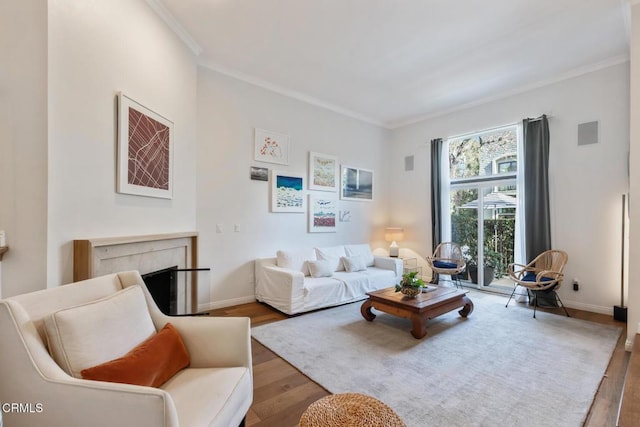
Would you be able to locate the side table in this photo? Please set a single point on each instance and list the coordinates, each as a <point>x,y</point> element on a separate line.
<point>410,264</point>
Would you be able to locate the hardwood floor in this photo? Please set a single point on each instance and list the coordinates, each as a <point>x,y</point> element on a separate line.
<point>282,393</point>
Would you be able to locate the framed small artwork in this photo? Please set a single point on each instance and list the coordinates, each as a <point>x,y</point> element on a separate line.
<point>322,213</point>
<point>271,147</point>
<point>259,174</point>
<point>323,172</point>
<point>357,184</point>
<point>287,192</point>
<point>345,216</point>
<point>145,151</point>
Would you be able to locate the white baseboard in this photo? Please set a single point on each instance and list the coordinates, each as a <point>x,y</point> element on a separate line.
<point>589,307</point>
<point>225,303</point>
<point>628,345</point>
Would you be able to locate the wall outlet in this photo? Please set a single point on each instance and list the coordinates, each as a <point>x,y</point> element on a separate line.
<point>3,238</point>
<point>576,285</point>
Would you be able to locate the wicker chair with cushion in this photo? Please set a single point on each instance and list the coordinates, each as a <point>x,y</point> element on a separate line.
<point>447,259</point>
<point>542,275</point>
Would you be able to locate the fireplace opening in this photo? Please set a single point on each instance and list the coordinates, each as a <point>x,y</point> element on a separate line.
<point>163,287</point>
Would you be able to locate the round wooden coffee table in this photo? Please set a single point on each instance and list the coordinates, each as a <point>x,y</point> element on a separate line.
<point>350,410</point>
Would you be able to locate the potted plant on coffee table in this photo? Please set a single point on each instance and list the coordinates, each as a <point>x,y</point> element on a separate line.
<point>410,285</point>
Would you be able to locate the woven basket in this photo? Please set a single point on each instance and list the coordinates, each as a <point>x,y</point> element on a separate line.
<point>411,291</point>
<point>349,410</point>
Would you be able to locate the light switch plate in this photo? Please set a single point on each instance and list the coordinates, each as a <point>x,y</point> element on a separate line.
<point>3,238</point>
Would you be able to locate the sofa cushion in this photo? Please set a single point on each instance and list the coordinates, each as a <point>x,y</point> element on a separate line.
<point>93,333</point>
<point>363,250</point>
<point>332,254</point>
<point>210,396</point>
<point>354,263</point>
<point>296,259</point>
<point>320,268</point>
<point>151,363</point>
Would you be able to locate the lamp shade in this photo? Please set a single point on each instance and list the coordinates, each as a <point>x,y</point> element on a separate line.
<point>393,234</point>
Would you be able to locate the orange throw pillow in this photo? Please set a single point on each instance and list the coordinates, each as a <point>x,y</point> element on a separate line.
<point>151,363</point>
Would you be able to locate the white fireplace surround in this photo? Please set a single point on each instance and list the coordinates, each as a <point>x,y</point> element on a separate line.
<point>100,256</point>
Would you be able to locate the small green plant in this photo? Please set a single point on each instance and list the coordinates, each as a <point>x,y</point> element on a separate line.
<point>410,279</point>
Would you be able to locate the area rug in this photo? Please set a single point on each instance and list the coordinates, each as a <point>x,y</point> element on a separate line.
<point>498,367</point>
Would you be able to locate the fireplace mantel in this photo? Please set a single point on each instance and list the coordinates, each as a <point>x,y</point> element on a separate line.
<point>106,255</point>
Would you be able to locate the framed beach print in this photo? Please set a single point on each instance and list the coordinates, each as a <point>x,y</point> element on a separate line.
<point>322,213</point>
<point>271,147</point>
<point>323,172</point>
<point>287,192</point>
<point>357,184</point>
<point>145,151</point>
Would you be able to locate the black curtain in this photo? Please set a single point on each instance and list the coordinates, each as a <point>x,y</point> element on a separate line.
<point>537,219</point>
<point>436,192</point>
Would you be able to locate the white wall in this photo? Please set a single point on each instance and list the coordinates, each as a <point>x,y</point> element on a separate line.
<point>23,144</point>
<point>633,315</point>
<point>586,182</point>
<point>228,112</point>
<point>95,50</point>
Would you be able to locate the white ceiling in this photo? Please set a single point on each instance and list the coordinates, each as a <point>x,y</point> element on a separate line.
<point>393,62</point>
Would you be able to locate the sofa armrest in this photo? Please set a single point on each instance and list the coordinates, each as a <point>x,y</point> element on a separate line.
<point>389,263</point>
<point>281,287</point>
<point>82,402</point>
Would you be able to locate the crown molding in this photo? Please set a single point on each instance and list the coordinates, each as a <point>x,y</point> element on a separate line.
<point>576,72</point>
<point>161,10</point>
<point>290,93</point>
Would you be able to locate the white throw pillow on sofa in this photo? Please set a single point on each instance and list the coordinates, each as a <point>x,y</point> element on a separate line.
<point>333,254</point>
<point>87,335</point>
<point>296,259</point>
<point>363,250</point>
<point>354,263</point>
<point>320,268</point>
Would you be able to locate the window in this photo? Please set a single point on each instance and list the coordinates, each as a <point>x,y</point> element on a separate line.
<point>504,165</point>
<point>482,201</point>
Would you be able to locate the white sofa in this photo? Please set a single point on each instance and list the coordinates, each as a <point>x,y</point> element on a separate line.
<point>216,389</point>
<point>301,280</point>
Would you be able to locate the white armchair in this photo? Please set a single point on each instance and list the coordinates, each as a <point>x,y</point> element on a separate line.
<point>215,390</point>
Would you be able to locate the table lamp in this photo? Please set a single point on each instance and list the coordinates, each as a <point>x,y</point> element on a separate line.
<point>393,235</point>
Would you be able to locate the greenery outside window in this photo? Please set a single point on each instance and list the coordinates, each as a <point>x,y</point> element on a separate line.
<point>482,178</point>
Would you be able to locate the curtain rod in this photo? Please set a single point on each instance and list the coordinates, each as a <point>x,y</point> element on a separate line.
<point>535,119</point>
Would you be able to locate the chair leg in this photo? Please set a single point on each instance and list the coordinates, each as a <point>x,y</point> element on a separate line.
<point>561,303</point>
<point>512,293</point>
<point>535,304</point>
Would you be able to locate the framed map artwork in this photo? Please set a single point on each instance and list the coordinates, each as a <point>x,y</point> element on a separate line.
<point>145,151</point>
<point>271,147</point>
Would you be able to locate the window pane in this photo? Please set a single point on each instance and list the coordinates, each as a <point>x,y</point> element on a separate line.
<point>483,154</point>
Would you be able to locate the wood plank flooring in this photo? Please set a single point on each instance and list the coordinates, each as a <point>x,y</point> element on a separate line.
<point>282,393</point>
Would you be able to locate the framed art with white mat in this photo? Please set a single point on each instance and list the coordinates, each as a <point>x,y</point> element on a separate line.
<point>145,151</point>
